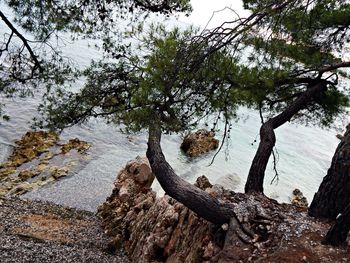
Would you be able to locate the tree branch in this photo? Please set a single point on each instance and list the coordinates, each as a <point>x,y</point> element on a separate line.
<point>24,40</point>
<point>324,69</point>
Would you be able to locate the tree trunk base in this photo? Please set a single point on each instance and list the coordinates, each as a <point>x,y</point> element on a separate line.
<point>333,194</point>
<point>338,233</point>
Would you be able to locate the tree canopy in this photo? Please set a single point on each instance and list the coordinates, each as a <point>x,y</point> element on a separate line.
<point>270,61</point>
<point>30,48</point>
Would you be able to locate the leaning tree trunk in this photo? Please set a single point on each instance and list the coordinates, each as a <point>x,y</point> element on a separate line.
<point>255,180</point>
<point>339,232</point>
<point>191,196</point>
<point>333,194</point>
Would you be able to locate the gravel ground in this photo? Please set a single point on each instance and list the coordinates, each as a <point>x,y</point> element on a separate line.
<point>35,231</point>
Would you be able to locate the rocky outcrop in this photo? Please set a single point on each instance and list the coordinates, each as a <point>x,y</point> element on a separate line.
<point>30,165</point>
<point>160,229</point>
<point>155,229</point>
<point>200,142</point>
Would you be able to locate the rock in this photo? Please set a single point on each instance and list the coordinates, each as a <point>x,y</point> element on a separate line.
<point>141,171</point>
<point>22,188</point>
<point>48,156</point>
<point>41,167</point>
<point>57,172</point>
<point>26,174</point>
<point>203,182</point>
<point>28,151</point>
<point>298,199</point>
<point>131,139</point>
<point>7,171</point>
<point>200,142</point>
<point>32,144</point>
<point>154,229</point>
<point>29,147</point>
<point>80,146</point>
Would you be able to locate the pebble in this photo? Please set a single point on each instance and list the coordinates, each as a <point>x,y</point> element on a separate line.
<point>22,241</point>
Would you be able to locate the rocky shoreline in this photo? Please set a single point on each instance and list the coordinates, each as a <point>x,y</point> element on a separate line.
<point>35,231</point>
<point>147,227</point>
<point>160,229</point>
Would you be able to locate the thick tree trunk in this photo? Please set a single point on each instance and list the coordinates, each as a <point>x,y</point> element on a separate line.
<point>191,196</point>
<point>333,194</point>
<point>339,232</point>
<point>256,173</point>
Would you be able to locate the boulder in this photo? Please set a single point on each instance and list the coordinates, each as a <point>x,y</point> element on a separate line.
<point>298,199</point>
<point>200,142</point>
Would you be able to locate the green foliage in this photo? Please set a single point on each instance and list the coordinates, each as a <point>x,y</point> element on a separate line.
<point>136,87</point>
<point>182,76</point>
<point>34,58</point>
<point>87,17</point>
<point>300,39</point>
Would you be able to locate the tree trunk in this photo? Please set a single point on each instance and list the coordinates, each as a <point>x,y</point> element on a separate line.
<point>339,232</point>
<point>333,194</point>
<point>256,174</point>
<point>191,196</point>
<point>255,180</point>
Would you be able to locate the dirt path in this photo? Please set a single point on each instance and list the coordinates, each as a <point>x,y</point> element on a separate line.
<point>33,231</point>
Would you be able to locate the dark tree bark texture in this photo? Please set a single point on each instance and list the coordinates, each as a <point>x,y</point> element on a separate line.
<point>191,196</point>
<point>333,194</point>
<point>256,173</point>
<point>338,233</point>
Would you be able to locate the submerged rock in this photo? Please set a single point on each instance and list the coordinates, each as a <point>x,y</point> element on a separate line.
<point>200,142</point>
<point>26,174</point>
<point>80,146</point>
<point>57,172</point>
<point>30,165</point>
<point>33,144</point>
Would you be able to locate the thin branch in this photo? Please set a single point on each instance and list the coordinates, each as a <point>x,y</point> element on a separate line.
<point>275,161</point>
<point>24,40</point>
<point>222,143</point>
<point>344,64</point>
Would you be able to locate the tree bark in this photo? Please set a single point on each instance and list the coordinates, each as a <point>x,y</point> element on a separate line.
<point>333,194</point>
<point>191,196</point>
<point>255,180</point>
<point>338,233</point>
